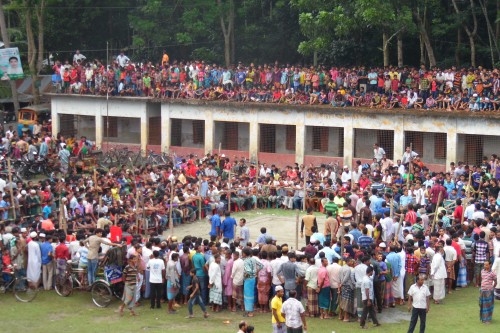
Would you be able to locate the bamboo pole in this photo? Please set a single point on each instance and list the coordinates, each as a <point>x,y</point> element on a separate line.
<point>296,229</point>
<point>12,201</point>
<point>137,207</point>
<point>398,229</point>
<point>466,198</point>
<point>199,200</point>
<point>409,168</point>
<point>144,221</point>
<point>170,221</point>
<point>229,192</point>
<point>436,213</point>
<point>305,190</point>
<point>62,220</point>
<point>392,208</point>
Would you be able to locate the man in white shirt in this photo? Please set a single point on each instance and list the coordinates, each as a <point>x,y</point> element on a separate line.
<point>237,277</point>
<point>122,59</point>
<point>156,267</point>
<point>418,303</point>
<point>346,175</point>
<point>378,152</point>
<point>408,156</point>
<point>78,57</point>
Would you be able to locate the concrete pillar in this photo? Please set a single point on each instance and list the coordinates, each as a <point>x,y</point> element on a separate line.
<point>209,131</point>
<point>348,141</point>
<point>54,116</point>
<point>144,130</point>
<point>99,128</point>
<point>253,146</point>
<point>165,128</point>
<point>300,142</point>
<point>451,147</point>
<point>399,142</point>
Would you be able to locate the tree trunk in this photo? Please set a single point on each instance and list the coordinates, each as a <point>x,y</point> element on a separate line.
<point>400,50</point>
<point>491,35</point>
<point>385,48</point>
<point>458,47</point>
<point>31,50</point>
<point>6,41</point>
<point>39,10</point>
<point>472,51</point>
<point>471,33</point>
<point>497,21</point>
<point>422,50</point>
<point>233,48</point>
<point>424,35</point>
<point>227,31</point>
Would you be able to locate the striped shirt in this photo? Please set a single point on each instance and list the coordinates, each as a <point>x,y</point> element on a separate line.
<point>130,274</point>
<point>487,280</point>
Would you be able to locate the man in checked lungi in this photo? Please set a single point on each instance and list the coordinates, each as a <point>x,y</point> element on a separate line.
<point>311,279</point>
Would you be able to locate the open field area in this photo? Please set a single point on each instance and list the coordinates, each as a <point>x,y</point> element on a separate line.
<point>76,313</point>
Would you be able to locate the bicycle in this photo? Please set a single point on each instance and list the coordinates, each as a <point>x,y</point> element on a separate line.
<point>73,278</point>
<point>109,284</point>
<point>24,290</point>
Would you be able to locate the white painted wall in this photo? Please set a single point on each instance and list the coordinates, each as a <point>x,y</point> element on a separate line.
<point>397,120</point>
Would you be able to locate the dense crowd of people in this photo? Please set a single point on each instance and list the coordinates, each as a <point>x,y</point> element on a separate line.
<point>394,233</point>
<point>450,89</point>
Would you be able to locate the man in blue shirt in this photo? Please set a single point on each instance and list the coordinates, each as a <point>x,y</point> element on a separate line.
<point>365,241</point>
<point>198,264</point>
<point>228,227</point>
<point>46,251</point>
<point>4,207</point>
<point>215,222</point>
<point>395,260</point>
<point>355,232</point>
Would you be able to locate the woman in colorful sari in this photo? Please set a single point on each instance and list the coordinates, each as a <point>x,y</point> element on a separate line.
<point>486,296</point>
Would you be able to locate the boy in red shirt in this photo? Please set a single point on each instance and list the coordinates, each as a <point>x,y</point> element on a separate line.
<point>61,256</point>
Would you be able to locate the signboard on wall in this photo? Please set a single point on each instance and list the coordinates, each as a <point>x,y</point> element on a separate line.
<point>10,64</point>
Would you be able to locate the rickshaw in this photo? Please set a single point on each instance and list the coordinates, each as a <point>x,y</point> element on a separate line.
<point>30,115</point>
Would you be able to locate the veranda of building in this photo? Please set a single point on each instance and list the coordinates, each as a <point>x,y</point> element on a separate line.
<point>276,134</point>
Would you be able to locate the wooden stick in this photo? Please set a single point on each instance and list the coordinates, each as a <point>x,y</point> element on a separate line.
<point>409,168</point>
<point>137,208</point>
<point>392,208</point>
<point>62,224</point>
<point>200,200</point>
<point>229,192</point>
<point>466,198</point>
<point>305,190</point>
<point>144,221</point>
<point>436,213</point>
<point>296,229</point>
<point>467,191</point>
<point>170,221</point>
<point>12,202</point>
<point>341,225</point>
<point>398,229</point>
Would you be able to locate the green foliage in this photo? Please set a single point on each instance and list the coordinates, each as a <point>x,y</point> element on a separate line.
<point>337,31</point>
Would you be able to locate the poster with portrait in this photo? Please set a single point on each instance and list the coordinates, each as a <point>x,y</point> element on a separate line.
<point>10,64</point>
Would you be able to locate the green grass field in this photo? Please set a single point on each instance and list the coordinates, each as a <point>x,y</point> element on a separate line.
<point>76,313</point>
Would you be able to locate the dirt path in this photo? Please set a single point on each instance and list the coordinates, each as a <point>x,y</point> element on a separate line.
<point>280,225</point>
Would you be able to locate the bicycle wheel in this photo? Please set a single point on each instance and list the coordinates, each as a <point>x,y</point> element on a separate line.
<point>24,291</point>
<point>64,286</point>
<point>101,294</point>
